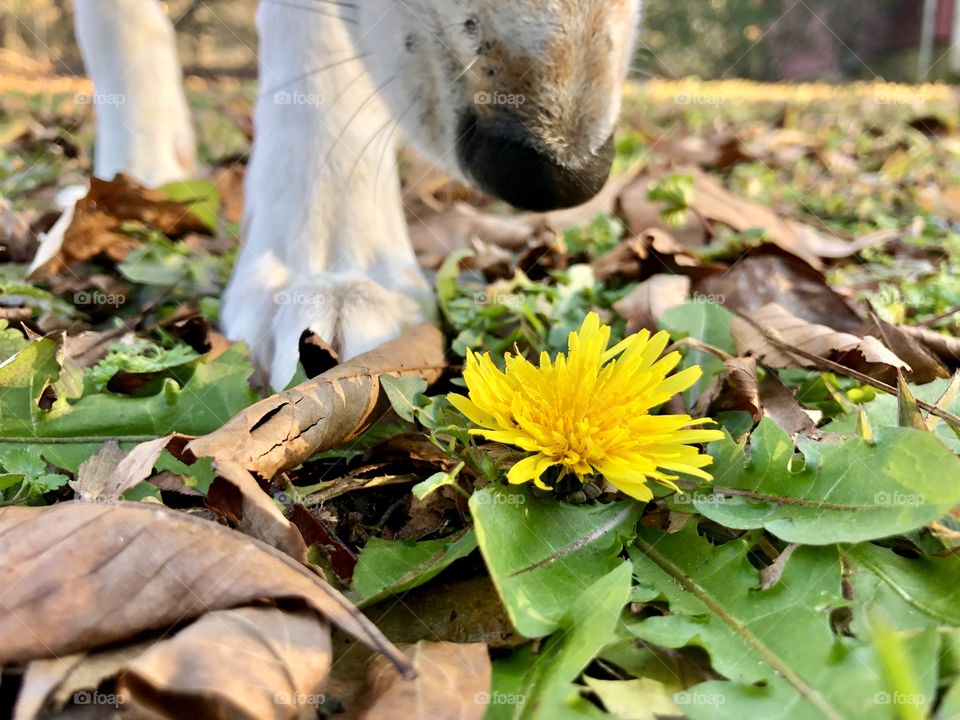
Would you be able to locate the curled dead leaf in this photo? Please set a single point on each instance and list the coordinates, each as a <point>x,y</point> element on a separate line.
<point>650,299</point>
<point>767,274</point>
<point>713,203</point>
<point>236,495</point>
<point>119,570</point>
<point>250,662</point>
<point>945,347</point>
<point>284,430</point>
<point>770,332</point>
<point>109,473</point>
<point>247,663</point>
<point>925,366</point>
<point>92,226</point>
<point>455,229</point>
<point>453,681</point>
<point>741,389</point>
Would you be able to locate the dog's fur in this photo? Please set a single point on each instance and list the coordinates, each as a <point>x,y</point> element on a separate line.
<point>520,96</point>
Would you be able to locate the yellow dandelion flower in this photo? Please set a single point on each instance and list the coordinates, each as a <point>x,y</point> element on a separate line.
<point>589,411</point>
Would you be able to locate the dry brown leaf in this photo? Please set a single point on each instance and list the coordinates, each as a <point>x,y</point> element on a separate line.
<point>650,299</point>
<point>40,679</point>
<point>741,389</point>
<point>246,663</point>
<point>941,202</point>
<point>17,241</point>
<point>945,347</point>
<point>818,340</point>
<point>429,189</point>
<point>425,614</point>
<point>495,262</point>
<point>628,259</point>
<point>925,367</point>
<point>284,430</point>
<point>625,261</point>
<point>452,683</point>
<point>94,227</point>
<point>52,683</point>
<point>317,535</point>
<point>770,575</point>
<point>455,229</point>
<point>642,215</point>
<point>108,474</point>
<point>228,180</point>
<point>693,149</point>
<point>119,570</point>
<point>735,390</point>
<point>358,480</point>
<point>190,326</point>
<point>462,226</point>
<point>780,404</point>
<point>415,448</point>
<point>713,202</point>
<point>769,275</point>
<point>235,494</point>
<point>88,348</point>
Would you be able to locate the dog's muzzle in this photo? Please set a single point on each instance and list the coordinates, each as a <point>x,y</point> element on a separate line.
<point>502,158</point>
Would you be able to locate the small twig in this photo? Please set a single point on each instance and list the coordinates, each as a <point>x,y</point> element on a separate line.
<point>930,322</point>
<point>705,221</point>
<point>339,487</point>
<point>694,344</point>
<point>771,336</point>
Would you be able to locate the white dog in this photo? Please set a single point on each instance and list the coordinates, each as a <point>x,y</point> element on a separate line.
<point>518,96</point>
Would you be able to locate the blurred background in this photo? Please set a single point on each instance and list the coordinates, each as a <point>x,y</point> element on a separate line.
<point>791,40</point>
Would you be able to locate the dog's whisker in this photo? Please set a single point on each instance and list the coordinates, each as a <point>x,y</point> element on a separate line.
<point>346,126</point>
<point>388,147</point>
<point>366,146</point>
<point>390,121</point>
<point>315,71</point>
<point>346,5</point>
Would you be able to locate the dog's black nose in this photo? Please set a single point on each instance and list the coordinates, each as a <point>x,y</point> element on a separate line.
<point>501,157</point>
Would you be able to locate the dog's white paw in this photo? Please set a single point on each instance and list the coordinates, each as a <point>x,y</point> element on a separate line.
<point>353,314</point>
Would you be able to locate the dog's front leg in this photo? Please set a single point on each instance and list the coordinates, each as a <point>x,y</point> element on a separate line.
<point>143,123</point>
<point>325,242</point>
